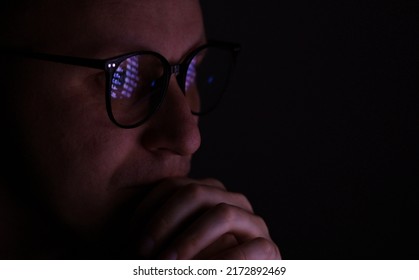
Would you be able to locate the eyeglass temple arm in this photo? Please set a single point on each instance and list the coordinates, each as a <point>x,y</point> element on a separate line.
<point>79,61</point>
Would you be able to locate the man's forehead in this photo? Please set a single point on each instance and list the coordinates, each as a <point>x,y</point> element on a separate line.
<point>110,27</point>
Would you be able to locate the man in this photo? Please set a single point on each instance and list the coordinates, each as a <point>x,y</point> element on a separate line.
<point>101,124</point>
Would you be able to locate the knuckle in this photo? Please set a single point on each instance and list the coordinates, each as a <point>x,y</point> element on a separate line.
<point>225,212</point>
<point>213,182</point>
<point>243,201</point>
<point>269,249</point>
<point>261,224</point>
<point>260,220</point>
<point>194,191</point>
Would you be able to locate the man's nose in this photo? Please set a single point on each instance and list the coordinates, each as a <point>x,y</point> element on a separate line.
<point>173,128</point>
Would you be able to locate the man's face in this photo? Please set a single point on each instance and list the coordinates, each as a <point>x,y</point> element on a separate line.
<point>88,166</point>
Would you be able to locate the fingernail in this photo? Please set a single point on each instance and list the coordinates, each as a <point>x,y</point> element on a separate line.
<point>146,246</point>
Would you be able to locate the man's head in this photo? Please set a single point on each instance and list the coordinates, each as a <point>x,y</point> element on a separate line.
<point>86,167</point>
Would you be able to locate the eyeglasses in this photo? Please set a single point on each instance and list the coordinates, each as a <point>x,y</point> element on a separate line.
<point>137,82</point>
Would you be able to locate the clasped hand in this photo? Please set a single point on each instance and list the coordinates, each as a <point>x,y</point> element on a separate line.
<point>183,218</point>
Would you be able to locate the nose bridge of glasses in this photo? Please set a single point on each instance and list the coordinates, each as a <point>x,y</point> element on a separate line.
<point>175,69</point>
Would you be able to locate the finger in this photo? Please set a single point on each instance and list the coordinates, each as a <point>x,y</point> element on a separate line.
<point>160,194</point>
<point>188,204</point>
<point>165,189</point>
<point>224,243</point>
<point>185,206</point>
<point>255,249</point>
<point>211,182</point>
<point>216,222</point>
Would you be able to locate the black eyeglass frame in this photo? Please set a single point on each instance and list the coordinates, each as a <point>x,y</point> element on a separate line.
<point>110,65</point>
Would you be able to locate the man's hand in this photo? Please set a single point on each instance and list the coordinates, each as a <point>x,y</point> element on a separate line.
<point>182,218</point>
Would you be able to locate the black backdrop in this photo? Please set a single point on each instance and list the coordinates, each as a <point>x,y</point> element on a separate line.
<point>319,127</point>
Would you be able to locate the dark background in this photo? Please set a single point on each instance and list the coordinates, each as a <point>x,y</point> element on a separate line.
<point>319,127</point>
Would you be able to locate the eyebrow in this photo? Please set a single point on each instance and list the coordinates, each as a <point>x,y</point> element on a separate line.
<point>106,48</point>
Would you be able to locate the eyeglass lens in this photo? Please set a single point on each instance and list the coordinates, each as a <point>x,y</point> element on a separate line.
<point>138,84</point>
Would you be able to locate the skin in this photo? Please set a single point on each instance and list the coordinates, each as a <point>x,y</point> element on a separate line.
<point>98,189</point>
